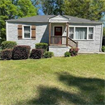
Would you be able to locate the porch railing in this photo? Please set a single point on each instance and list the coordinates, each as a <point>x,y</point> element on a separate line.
<point>63,40</point>
<point>58,40</point>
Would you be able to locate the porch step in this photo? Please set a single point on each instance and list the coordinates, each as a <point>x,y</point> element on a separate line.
<point>59,50</point>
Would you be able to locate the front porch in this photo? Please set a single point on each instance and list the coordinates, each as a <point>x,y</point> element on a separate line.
<point>59,32</point>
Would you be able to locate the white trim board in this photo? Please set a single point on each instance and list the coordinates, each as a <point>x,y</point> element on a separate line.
<point>23,31</point>
<point>58,26</point>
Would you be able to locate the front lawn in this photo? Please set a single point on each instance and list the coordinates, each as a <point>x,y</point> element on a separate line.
<point>56,81</point>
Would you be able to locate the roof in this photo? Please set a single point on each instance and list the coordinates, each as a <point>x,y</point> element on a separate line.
<point>45,18</point>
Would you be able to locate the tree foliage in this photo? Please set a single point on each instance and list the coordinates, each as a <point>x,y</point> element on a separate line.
<point>52,7</point>
<point>26,9</point>
<point>11,9</point>
<point>7,11</point>
<point>89,9</point>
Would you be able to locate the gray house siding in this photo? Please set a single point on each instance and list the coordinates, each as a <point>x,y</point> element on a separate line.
<point>41,34</point>
<point>92,45</point>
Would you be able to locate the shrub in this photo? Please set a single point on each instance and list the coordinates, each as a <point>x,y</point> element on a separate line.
<point>21,52</point>
<point>103,48</point>
<point>74,51</point>
<point>36,53</point>
<point>67,54</point>
<point>42,46</point>
<point>8,44</point>
<point>6,54</point>
<point>48,54</point>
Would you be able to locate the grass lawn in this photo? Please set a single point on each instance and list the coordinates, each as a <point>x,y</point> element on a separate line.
<point>56,81</point>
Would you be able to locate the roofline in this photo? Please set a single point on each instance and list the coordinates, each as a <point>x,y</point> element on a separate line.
<point>56,22</point>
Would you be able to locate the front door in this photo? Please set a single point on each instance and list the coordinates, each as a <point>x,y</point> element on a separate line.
<point>58,32</point>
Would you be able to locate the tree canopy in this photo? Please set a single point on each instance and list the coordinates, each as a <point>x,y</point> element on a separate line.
<point>11,9</point>
<point>89,9</point>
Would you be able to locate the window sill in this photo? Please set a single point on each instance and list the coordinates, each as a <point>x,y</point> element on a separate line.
<point>28,39</point>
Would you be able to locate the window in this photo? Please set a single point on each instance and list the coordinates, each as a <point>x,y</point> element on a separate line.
<point>71,35</point>
<point>81,33</point>
<point>90,35</point>
<point>27,32</point>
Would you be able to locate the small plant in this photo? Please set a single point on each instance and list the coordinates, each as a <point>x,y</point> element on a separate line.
<point>67,54</point>
<point>74,51</point>
<point>6,54</point>
<point>42,46</point>
<point>48,54</point>
<point>21,52</point>
<point>103,48</point>
<point>8,44</point>
<point>36,53</point>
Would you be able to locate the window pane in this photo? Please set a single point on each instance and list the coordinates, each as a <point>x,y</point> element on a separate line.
<point>26,31</point>
<point>90,36</point>
<point>81,33</point>
<point>71,35</point>
<point>90,30</point>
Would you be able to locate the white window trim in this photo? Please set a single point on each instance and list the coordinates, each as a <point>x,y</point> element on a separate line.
<point>23,32</point>
<point>58,26</point>
<point>87,32</point>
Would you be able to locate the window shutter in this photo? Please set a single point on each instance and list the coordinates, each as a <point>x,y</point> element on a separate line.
<point>19,31</point>
<point>33,28</point>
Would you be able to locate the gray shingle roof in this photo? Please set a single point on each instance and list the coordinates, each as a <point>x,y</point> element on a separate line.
<point>45,18</point>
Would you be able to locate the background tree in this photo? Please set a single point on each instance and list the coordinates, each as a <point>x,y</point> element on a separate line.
<point>11,9</point>
<point>52,7</point>
<point>7,11</point>
<point>89,9</point>
<point>26,9</point>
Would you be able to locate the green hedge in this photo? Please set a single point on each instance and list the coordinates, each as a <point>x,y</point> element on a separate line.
<point>103,48</point>
<point>42,46</point>
<point>8,44</point>
<point>67,54</point>
<point>48,54</point>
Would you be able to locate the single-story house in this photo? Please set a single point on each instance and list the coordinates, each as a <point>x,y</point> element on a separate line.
<point>60,32</point>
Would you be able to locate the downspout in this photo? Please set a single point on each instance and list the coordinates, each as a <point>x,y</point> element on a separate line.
<point>6,31</point>
<point>101,37</point>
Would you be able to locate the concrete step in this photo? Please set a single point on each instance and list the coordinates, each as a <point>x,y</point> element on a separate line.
<point>59,50</point>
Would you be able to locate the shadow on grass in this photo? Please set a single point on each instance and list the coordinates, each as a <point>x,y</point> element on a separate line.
<point>91,92</point>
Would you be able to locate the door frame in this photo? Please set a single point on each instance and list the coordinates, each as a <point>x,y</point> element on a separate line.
<point>58,26</point>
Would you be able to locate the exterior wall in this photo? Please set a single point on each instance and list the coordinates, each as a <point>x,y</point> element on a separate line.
<point>91,45</point>
<point>42,34</point>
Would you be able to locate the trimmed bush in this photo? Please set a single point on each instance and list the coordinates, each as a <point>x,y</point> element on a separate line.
<point>103,48</point>
<point>42,46</point>
<point>6,54</point>
<point>21,52</point>
<point>48,54</point>
<point>74,51</point>
<point>67,54</point>
<point>8,44</point>
<point>36,53</point>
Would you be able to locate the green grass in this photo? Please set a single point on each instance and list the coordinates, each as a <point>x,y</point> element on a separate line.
<point>56,81</point>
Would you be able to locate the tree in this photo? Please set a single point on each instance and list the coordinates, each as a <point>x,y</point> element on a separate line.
<point>89,9</point>
<point>52,7</point>
<point>26,9</point>
<point>7,11</point>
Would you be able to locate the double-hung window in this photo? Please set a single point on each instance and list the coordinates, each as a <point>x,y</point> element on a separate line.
<point>27,33</point>
<point>81,33</point>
